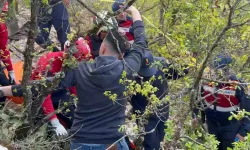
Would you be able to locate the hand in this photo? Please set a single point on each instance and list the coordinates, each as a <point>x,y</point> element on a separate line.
<point>134,13</point>
<point>12,77</point>
<point>121,31</point>
<point>59,129</point>
<point>130,9</point>
<point>241,138</point>
<point>66,2</point>
<point>66,44</point>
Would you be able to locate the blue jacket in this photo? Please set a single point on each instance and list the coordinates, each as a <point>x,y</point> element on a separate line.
<point>97,118</point>
<point>140,102</point>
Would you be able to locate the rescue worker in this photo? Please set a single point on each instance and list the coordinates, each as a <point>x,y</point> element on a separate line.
<point>55,60</point>
<point>59,96</point>
<point>95,40</point>
<point>53,14</point>
<point>221,99</point>
<point>4,51</point>
<point>140,102</point>
<point>125,22</point>
<point>97,118</point>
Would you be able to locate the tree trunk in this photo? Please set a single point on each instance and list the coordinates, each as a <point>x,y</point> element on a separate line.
<point>28,57</point>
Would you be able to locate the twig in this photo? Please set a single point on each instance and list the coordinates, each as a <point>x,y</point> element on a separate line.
<point>189,138</point>
<point>223,82</point>
<point>241,24</point>
<point>145,133</point>
<point>152,7</point>
<point>17,49</point>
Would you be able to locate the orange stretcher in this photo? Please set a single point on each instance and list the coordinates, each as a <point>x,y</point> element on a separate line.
<point>18,70</point>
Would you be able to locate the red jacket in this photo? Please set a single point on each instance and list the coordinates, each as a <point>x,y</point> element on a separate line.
<point>4,52</point>
<point>5,7</point>
<point>53,60</point>
<point>126,26</point>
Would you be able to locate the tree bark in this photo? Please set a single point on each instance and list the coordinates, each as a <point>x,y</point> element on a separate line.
<point>28,57</point>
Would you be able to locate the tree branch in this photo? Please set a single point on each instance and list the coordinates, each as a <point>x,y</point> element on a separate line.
<point>28,59</point>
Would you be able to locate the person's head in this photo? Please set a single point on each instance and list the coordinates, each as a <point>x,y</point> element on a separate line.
<point>114,44</point>
<point>103,29</point>
<point>147,69</point>
<point>221,64</point>
<point>80,51</point>
<point>116,7</point>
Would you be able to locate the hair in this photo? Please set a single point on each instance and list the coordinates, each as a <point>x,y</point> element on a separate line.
<point>118,43</point>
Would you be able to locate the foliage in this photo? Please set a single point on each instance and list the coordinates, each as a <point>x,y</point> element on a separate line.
<point>188,33</point>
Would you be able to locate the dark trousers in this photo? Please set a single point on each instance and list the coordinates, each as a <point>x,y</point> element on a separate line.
<point>58,99</point>
<point>225,134</point>
<point>3,81</point>
<point>62,28</point>
<point>152,140</point>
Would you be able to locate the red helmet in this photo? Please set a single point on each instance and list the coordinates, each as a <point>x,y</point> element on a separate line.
<point>83,50</point>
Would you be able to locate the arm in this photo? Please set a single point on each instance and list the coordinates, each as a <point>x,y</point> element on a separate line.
<point>4,51</point>
<point>48,107</point>
<point>171,72</point>
<point>16,90</point>
<point>69,80</point>
<point>244,104</point>
<point>134,58</point>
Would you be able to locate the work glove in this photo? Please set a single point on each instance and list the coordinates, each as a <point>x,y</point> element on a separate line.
<point>66,44</point>
<point>3,148</point>
<point>59,129</point>
<point>12,77</point>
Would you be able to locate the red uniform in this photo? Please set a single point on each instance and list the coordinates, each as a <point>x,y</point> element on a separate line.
<point>54,60</point>
<point>226,97</point>
<point>126,27</point>
<point>4,52</point>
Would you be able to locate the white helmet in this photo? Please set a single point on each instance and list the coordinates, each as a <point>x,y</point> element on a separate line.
<point>110,21</point>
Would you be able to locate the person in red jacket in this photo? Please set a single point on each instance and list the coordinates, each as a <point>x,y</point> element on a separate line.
<point>4,51</point>
<point>55,61</point>
<point>125,22</point>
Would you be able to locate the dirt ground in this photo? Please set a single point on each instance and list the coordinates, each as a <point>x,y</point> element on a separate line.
<point>23,16</point>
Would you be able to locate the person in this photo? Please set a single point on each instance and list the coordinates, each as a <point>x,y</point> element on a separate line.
<point>56,14</point>
<point>95,40</point>
<point>140,102</point>
<point>55,60</point>
<point>97,119</point>
<point>125,22</point>
<point>4,51</point>
<point>59,96</point>
<point>222,99</point>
